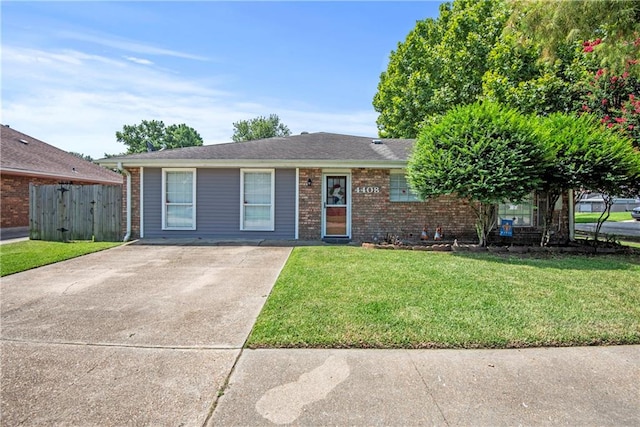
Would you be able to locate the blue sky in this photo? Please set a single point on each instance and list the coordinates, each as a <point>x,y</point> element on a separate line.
<point>73,73</point>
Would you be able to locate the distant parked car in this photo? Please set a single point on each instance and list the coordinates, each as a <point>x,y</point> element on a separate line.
<point>635,213</point>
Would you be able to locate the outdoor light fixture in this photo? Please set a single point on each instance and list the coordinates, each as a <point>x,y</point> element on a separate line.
<point>309,182</point>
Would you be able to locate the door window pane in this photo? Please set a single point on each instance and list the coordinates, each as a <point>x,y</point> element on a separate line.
<point>336,190</point>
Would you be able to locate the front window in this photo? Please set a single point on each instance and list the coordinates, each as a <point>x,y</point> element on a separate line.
<point>399,190</point>
<point>178,199</point>
<point>257,210</point>
<point>520,213</point>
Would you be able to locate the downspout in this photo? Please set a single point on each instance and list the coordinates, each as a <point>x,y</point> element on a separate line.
<point>127,235</point>
<point>296,234</point>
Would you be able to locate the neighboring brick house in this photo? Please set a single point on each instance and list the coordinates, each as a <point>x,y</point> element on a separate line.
<point>303,187</point>
<point>25,160</point>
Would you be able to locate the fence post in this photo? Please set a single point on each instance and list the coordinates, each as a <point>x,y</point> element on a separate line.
<point>35,209</point>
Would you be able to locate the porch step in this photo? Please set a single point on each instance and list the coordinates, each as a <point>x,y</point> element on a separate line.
<point>337,240</point>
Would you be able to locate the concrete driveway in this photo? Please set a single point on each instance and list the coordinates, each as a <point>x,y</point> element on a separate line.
<point>132,335</point>
<point>623,228</point>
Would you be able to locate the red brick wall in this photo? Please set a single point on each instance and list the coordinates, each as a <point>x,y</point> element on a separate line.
<point>373,215</point>
<point>135,204</point>
<point>14,211</point>
<point>310,205</point>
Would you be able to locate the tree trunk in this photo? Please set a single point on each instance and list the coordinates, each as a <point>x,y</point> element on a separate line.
<point>485,221</point>
<point>552,199</point>
<point>608,202</point>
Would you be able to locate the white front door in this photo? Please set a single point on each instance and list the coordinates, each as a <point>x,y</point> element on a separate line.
<point>336,211</point>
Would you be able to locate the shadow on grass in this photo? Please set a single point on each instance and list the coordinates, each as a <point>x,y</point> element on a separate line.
<point>585,262</point>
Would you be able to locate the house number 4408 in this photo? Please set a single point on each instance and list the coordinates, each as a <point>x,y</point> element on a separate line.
<point>367,189</point>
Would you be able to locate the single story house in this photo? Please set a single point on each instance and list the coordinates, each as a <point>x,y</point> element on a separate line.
<point>26,160</point>
<point>310,186</point>
<point>595,203</point>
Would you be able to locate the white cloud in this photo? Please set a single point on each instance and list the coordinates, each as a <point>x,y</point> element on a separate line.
<point>138,60</point>
<point>77,101</point>
<point>128,45</point>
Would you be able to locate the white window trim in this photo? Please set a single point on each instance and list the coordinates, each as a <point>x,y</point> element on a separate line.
<point>272,224</point>
<point>164,198</point>
<point>402,172</point>
<point>534,208</point>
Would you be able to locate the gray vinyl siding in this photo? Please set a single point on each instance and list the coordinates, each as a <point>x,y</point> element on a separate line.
<point>218,206</point>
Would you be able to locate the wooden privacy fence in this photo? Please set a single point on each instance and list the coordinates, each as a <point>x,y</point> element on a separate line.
<point>66,212</point>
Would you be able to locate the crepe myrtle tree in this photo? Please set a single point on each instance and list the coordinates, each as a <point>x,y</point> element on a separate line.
<point>586,154</point>
<point>484,152</point>
<point>615,167</point>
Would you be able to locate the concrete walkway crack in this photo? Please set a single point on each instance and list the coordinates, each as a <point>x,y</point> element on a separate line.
<point>119,345</point>
<point>222,390</point>
<point>426,386</point>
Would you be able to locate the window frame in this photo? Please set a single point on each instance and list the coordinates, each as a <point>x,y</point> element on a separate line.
<point>164,198</point>
<point>272,203</point>
<point>412,197</point>
<point>531,200</point>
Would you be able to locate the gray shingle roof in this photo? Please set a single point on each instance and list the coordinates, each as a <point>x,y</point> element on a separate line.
<point>24,155</point>
<point>319,146</point>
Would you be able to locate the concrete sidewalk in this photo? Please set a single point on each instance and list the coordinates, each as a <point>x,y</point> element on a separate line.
<point>545,386</point>
<point>629,228</point>
<point>152,335</point>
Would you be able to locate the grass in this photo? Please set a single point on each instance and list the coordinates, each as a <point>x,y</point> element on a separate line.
<point>584,218</point>
<point>347,297</point>
<point>630,244</point>
<point>21,256</point>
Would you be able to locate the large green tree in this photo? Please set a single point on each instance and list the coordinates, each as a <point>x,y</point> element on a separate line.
<point>153,135</point>
<point>570,57</point>
<point>438,66</point>
<point>609,28</point>
<point>519,77</point>
<point>482,152</point>
<point>585,154</point>
<point>538,56</point>
<point>259,128</point>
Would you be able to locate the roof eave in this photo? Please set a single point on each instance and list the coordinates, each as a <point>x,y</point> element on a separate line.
<point>50,175</point>
<point>240,163</point>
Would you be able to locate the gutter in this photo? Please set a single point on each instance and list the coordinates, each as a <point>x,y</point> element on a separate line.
<point>59,177</point>
<point>127,235</point>
<point>259,163</point>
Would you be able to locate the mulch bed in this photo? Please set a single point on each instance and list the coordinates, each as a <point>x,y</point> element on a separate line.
<point>574,248</point>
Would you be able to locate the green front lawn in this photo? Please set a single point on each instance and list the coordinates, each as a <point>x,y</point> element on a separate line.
<point>584,217</point>
<point>352,297</point>
<point>21,256</point>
